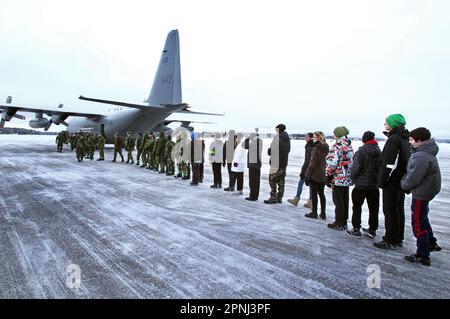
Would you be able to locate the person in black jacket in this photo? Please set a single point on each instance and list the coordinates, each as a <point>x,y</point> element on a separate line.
<point>308,151</point>
<point>394,161</point>
<point>228,154</point>
<point>279,154</point>
<point>366,164</point>
<point>254,145</point>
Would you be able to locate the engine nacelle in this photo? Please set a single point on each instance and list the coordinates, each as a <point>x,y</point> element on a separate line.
<point>58,119</point>
<point>38,123</point>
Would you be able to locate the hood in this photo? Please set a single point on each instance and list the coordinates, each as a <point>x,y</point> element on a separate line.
<point>343,141</point>
<point>429,147</point>
<point>324,148</point>
<point>371,149</point>
<point>284,136</point>
<point>401,130</point>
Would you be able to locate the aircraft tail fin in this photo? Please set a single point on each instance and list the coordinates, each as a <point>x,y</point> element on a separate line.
<point>166,89</point>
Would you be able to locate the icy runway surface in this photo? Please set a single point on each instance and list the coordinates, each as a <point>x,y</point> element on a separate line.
<point>138,234</point>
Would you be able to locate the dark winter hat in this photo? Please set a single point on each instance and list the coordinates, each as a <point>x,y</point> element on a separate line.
<point>420,134</point>
<point>368,136</point>
<point>395,120</point>
<point>341,131</point>
<point>281,127</point>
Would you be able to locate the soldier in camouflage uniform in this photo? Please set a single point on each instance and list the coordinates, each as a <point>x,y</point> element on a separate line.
<point>176,155</point>
<point>143,153</point>
<point>146,152</point>
<point>279,154</point>
<point>183,150</point>
<point>80,147</point>
<point>160,153</point>
<point>118,144</point>
<point>139,148</point>
<point>101,147</point>
<point>72,141</point>
<point>170,164</point>
<point>90,146</point>
<point>60,139</point>
<point>129,147</point>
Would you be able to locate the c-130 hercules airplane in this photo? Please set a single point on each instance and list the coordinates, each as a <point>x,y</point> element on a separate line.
<point>165,98</point>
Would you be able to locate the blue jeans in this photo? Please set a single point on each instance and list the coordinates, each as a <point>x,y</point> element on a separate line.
<point>301,182</point>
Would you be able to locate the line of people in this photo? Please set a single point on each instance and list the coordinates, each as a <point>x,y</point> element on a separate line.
<point>368,169</point>
<point>394,170</point>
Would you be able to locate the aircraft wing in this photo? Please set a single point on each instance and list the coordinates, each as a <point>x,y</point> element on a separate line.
<point>45,110</point>
<point>58,114</point>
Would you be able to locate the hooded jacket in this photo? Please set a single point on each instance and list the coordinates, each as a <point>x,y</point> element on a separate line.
<point>394,158</point>
<point>317,164</point>
<point>366,164</point>
<point>423,177</point>
<point>339,162</point>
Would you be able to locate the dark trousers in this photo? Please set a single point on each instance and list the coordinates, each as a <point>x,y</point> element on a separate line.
<point>394,213</point>
<point>372,196</point>
<point>231,176</point>
<point>421,227</point>
<point>196,172</point>
<point>239,177</point>
<point>318,190</point>
<point>341,202</point>
<point>202,169</point>
<point>254,179</point>
<point>217,172</point>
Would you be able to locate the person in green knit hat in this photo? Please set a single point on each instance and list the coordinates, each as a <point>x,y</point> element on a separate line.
<point>394,161</point>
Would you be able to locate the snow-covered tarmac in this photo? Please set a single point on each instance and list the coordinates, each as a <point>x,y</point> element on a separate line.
<point>138,234</point>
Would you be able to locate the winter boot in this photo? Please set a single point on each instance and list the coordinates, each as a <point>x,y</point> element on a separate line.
<point>384,245</point>
<point>308,204</point>
<point>323,216</point>
<point>435,247</point>
<point>294,201</point>
<point>271,200</point>
<point>417,259</point>
<point>311,215</point>
<point>334,225</point>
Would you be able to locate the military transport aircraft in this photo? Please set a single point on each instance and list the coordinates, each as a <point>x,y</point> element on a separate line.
<point>165,98</point>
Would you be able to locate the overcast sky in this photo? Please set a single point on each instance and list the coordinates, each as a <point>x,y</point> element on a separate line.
<point>311,65</point>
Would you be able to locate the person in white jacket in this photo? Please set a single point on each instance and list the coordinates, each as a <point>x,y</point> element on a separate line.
<point>239,164</point>
<point>216,160</point>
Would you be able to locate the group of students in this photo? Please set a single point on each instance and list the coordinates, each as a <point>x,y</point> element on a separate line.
<point>407,164</point>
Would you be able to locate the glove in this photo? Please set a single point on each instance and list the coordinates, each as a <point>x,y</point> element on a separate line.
<point>302,176</point>
<point>235,164</point>
<point>307,182</point>
<point>224,164</point>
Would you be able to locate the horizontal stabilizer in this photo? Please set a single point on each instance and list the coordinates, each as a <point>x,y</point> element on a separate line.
<point>126,104</point>
<point>185,111</point>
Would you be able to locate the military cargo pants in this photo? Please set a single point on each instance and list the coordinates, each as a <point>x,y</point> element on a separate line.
<point>277,180</point>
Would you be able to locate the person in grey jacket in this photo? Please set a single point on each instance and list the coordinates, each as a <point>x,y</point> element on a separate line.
<point>423,180</point>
